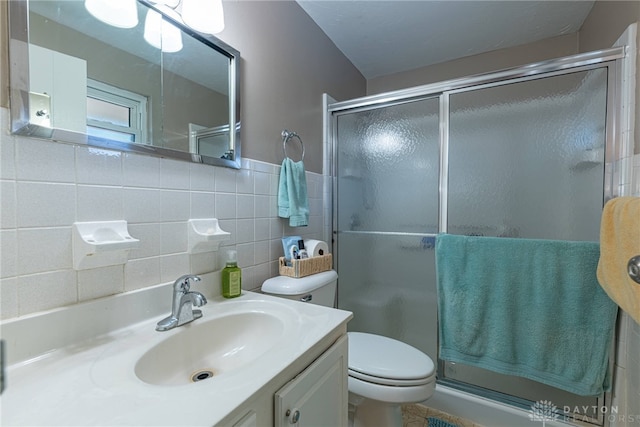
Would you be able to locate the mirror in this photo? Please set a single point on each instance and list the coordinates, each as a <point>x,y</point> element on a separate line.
<point>77,79</point>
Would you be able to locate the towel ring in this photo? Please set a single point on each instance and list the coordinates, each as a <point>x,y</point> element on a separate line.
<point>286,136</point>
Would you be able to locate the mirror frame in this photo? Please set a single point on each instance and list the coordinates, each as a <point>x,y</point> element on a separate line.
<point>19,94</point>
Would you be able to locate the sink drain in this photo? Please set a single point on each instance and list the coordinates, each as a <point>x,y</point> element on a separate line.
<point>201,375</point>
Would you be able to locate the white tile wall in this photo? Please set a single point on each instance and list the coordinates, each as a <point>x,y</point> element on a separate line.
<point>626,393</point>
<point>627,374</point>
<point>629,337</point>
<point>45,187</point>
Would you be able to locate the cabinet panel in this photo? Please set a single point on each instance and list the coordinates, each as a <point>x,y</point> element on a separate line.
<point>318,396</point>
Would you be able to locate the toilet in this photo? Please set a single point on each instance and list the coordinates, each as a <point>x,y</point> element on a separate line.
<point>384,373</point>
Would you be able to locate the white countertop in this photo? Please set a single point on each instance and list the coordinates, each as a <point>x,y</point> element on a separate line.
<point>93,382</point>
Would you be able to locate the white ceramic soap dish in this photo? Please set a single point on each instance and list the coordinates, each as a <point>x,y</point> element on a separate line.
<point>205,235</point>
<point>101,243</point>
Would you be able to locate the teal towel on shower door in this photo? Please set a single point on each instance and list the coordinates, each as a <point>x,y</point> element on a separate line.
<point>292,193</point>
<point>525,307</point>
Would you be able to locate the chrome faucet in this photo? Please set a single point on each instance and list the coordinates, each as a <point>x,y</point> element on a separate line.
<point>182,305</point>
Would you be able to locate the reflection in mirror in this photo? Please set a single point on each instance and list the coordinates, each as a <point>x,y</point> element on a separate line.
<point>99,77</point>
<point>190,83</point>
<point>92,82</point>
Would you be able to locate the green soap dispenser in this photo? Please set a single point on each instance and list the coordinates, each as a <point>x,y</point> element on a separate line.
<point>231,277</point>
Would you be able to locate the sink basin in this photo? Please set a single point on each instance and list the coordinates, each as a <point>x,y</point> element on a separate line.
<point>210,348</point>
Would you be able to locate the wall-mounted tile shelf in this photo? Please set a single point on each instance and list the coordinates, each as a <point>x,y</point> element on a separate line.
<point>205,235</point>
<point>101,243</point>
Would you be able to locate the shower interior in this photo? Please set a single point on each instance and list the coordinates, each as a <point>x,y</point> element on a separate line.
<point>519,153</point>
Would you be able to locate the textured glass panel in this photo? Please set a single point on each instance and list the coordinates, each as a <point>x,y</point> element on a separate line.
<point>387,176</point>
<point>388,168</point>
<point>527,159</point>
<point>388,282</point>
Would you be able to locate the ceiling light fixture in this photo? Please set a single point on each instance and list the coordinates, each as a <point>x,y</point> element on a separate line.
<point>161,34</point>
<point>205,16</point>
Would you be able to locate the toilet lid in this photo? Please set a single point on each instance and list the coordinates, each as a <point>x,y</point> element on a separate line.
<point>284,285</point>
<point>382,357</point>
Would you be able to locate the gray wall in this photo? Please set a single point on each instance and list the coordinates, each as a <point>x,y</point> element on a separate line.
<point>476,64</point>
<point>287,64</point>
<point>605,23</point>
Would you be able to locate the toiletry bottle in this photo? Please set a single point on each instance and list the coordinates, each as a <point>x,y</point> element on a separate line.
<point>231,277</point>
<point>302,252</point>
<point>294,252</point>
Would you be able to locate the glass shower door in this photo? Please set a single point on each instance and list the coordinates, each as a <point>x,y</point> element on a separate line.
<point>527,160</point>
<point>387,216</point>
<point>518,153</point>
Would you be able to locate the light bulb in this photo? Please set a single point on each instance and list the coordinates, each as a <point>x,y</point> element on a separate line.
<point>171,37</point>
<point>121,13</point>
<point>205,16</point>
<point>161,34</point>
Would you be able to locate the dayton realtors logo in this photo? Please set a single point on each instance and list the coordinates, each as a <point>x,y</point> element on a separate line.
<point>543,410</point>
<point>580,413</point>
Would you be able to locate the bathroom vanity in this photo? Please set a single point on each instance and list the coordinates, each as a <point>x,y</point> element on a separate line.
<point>315,396</point>
<point>254,360</point>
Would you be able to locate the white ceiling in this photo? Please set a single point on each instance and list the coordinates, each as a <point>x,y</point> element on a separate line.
<point>382,37</point>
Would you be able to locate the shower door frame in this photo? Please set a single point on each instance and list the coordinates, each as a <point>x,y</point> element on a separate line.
<point>608,58</point>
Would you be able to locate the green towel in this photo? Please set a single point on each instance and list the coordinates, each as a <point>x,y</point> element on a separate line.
<point>526,307</point>
<point>292,193</point>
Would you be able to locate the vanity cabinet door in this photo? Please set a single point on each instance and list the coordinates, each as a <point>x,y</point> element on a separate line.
<point>318,396</point>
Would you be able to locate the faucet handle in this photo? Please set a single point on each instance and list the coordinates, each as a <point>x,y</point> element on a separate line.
<point>182,283</point>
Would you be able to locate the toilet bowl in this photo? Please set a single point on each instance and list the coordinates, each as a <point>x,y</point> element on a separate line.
<point>384,373</point>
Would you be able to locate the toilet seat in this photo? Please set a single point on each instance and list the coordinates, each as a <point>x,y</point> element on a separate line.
<point>390,394</point>
<point>385,361</point>
<point>392,382</point>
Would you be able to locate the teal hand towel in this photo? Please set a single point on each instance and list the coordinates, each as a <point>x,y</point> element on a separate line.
<point>526,307</point>
<point>292,193</point>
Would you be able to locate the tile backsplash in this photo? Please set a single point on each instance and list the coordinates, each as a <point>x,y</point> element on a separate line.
<point>630,341</point>
<point>46,187</point>
<point>626,393</point>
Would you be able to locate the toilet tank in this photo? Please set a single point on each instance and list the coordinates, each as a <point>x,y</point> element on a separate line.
<point>319,288</point>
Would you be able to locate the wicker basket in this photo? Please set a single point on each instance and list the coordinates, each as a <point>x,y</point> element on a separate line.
<point>306,267</point>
